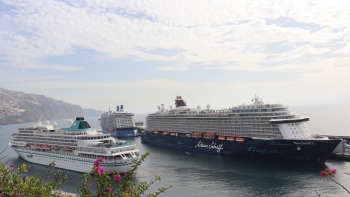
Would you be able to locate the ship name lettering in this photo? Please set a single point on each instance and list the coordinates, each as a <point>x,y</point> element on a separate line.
<point>179,143</point>
<point>210,146</point>
<point>277,144</point>
<point>303,143</point>
<point>262,150</point>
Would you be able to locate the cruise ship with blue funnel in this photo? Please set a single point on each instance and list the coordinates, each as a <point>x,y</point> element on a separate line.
<point>120,123</point>
<point>258,130</point>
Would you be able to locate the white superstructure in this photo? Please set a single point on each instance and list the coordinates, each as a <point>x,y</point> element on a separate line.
<point>257,120</point>
<point>118,119</point>
<point>74,148</point>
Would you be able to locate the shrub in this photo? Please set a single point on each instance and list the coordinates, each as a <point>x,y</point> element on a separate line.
<point>12,185</point>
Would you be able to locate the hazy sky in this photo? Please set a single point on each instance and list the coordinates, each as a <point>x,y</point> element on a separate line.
<point>141,54</point>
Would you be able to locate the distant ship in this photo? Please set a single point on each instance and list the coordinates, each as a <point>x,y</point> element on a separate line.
<point>74,148</point>
<point>258,130</point>
<point>119,123</point>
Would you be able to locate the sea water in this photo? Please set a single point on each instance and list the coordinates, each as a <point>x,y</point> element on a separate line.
<point>198,174</point>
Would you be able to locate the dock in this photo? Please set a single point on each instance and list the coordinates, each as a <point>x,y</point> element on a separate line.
<point>342,152</point>
<point>345,156</point>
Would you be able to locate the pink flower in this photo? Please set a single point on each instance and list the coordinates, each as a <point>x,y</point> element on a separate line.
<point>89,185</point>
<point>100,170</point>
<point>327,170</point>
<point>323,174</point>
<point>109,190</point>
<point>12,165</point>
<point>334,171</point>
<point>101,160</point>
<point>117,178</point>
<point>96,163</point>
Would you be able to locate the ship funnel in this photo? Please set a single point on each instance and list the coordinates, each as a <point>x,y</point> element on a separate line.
<point>121,108</point>
<point>117,108</point>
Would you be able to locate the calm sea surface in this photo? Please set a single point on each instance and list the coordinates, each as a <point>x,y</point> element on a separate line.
<point>198,174</point>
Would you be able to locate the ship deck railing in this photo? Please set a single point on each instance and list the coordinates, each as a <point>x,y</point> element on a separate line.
<point>110,145</point>
<point>70,153</point>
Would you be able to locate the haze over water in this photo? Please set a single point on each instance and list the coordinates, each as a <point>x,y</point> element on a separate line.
<point>198,174</point>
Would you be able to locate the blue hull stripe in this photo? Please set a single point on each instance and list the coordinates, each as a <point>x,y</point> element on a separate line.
<point>298,150</point>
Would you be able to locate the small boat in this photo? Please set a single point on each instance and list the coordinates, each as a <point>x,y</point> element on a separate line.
<point>230,138</point>
<point>155,131</point>
<point>173,133</point>
<point>165,133</point>
<point>55,147</point>
<point>209,136</point>
<point>36,146</point>
<point>46,147</point>
<point>221,137</point>
<point>67,148</point>
<point>196,134</point>
<point>240,139</point>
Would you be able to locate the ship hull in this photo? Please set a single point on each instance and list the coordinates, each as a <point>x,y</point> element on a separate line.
<point>120,133</point>
<point>316,151</point>
<point>69,162</point>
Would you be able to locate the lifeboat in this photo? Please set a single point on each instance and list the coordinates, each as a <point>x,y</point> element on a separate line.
<point>155,131</point>
<point>230,138</point>
<point>221,137</point>
<point>67,148</point>
<point>55,147</point>
<point>209,136</point>
<point>46,147</point>
<point>173,133</point>
<point>165,133</point>
<point>36,146</point>
<point>240,139</point>
<point>196,134</point>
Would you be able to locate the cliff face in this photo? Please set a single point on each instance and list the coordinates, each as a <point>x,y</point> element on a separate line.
<point>17,107</point>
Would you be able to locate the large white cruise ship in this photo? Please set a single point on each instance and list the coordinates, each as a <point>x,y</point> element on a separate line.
<point>74,148</point>
<point>119,123</point>
<point>257,130</point>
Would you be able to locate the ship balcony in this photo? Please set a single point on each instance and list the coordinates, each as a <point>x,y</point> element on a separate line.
<point>111,145</point>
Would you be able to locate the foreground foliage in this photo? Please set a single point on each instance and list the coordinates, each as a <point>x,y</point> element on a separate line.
<point>107,183</point>
<point>330,174</point>
<point>13,183</point>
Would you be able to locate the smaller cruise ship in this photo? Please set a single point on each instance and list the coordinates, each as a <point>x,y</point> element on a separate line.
<point>74,148</point>
<point>119,123</point>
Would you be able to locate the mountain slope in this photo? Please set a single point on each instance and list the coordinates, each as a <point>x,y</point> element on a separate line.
<point>17,107</point>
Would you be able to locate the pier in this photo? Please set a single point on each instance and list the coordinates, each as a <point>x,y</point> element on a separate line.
<point>342,152</point>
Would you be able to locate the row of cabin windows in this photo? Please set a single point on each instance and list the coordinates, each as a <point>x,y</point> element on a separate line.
<point>92,138</point>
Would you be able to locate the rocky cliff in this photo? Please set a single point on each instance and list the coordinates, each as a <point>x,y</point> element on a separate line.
<point>17,107</point>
